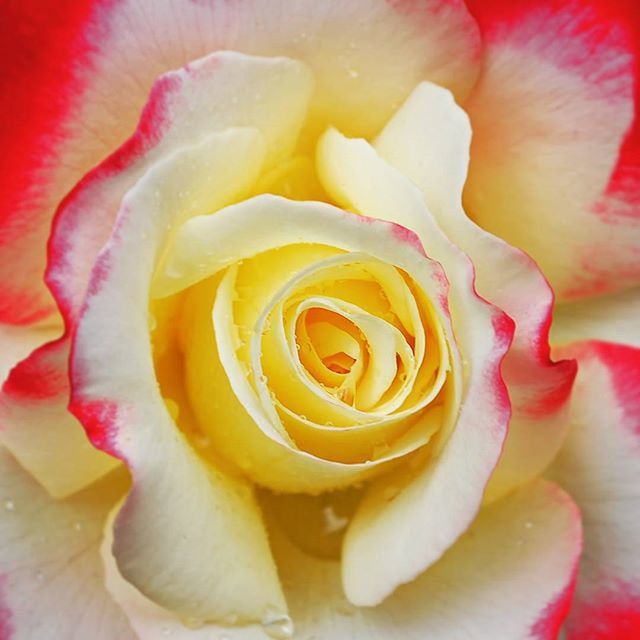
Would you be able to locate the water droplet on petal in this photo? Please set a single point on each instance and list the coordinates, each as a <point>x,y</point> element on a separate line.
<point>277,624</point>
<point>9,505</point>
<point>193,623</point>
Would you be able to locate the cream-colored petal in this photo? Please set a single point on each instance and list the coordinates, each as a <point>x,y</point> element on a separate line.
<point>189,535</point>
<point>428,140</point>
<point>611,318</point>
<point>509,577</point>
<point>436,502</point>
<point>600,465</point>
<point>36,426</point>
<point>207,245</point>
<point>52,576</point>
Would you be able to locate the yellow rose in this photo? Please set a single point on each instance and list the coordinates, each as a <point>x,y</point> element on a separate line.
<point>318,396</point>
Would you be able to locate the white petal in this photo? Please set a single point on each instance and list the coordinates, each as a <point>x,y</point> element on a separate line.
<point>52,575</point>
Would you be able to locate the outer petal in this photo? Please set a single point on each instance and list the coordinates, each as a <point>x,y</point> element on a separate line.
<point>611,318</point>
<point>511,576</point>
<point>17,343</point>
<point>434,505</point>
<point>51,576</point>
<point>152,622</point>
<point>428,140</point>
<point>36,426</point>
<point>189,535</point>
<point>555,165</point>
<point>77,75</point>
<point>600,466</point>
<point>177,114</point>
<point>34,422</point>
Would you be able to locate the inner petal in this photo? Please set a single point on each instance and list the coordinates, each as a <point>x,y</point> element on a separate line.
<point>335,340</point>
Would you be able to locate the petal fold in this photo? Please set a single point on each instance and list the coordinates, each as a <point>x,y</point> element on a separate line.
<point>511,576</point>
<point>428,140</point>
<point>78,75</point>
<point>432,504</point>
<point>600,465</point>
<point>554,159</point>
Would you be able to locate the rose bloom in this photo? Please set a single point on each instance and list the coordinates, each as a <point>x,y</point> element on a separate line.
<point>276,355</point>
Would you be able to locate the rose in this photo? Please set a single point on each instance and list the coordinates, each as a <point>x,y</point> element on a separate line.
<point>160,174</point>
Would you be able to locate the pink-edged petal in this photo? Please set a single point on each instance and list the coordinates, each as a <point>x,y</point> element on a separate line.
<point>258,442</point>
<point>152,622</point>
<point>511,576</point>
<point>189,536</point>
<point>17,343</point>
<point>33,406</point>
<point>35,424</point>
<point>610,318</point>
<point>77,74</point>
<point>428,140</point>
<point>554,166</point>
<point>212,94</point>
<point>600,466</point>
<point>431,506</point>
<point>51,574</point>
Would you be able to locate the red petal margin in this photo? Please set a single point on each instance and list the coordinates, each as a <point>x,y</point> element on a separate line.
<point>601,23</point>
<point>625,14</point>
<point>600,466</point>
<point>44,375</point>
<point>40,46</point>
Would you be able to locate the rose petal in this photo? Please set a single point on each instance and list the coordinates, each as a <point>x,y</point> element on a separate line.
<point>180,111</point>
<point>17,343</point>
<point>435,506</point>
<point>208,244</point>
<point>511,576</point>
<point>611,318</point>
<point>428,140</point>
<point>552,170</point>
<point>151,621</point>
<point>214,93</point>
<point>36,426</point>
<point>79,75</point>
<point>189,536</point>
<point>51,575</point>
<point>600,465</point>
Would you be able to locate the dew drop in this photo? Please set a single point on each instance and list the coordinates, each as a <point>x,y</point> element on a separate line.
<point>77,526</point>
<point>277,624</point>
<point>528,524</point>
<point>353,73</point>
<point>193,623</point>
<point>333,522</point>
<point>9,505</point>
